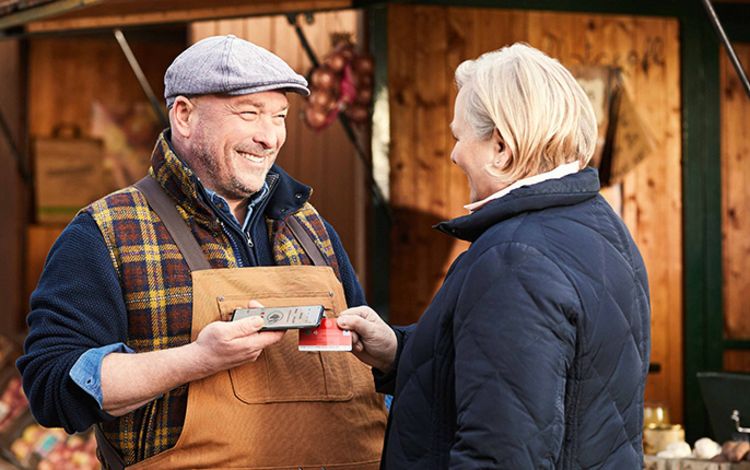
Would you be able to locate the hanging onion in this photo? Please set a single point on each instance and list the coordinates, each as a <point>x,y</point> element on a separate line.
<point>315,118</point>
<point>342,83</point>
<point>336,61</point>
<point>364,96</point>
<point>358,113</point>
<point>363,65</point>
<point>323,78</point>
<point>321,99</point>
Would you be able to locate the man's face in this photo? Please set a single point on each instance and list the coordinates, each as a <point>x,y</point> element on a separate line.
<point>235,140</point>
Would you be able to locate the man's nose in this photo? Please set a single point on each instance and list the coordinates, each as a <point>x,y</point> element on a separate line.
<point>265,135</point>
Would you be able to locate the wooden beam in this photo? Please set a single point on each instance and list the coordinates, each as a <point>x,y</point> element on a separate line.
<point>138,14</point>
<point>43,11</point>
<point>701,181</point>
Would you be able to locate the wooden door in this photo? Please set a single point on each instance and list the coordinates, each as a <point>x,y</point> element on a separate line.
<point>735,191</point>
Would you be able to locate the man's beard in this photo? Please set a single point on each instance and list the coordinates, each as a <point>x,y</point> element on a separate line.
<point>233,188</point>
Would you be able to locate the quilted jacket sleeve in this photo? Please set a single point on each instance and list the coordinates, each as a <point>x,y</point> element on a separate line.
<point>386,382</point>
<point>514,341</point>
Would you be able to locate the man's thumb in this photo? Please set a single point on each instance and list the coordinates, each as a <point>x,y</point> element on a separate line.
<point>248,326</point>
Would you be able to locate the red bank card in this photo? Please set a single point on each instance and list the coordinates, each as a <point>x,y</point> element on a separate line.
<point>327,337</point>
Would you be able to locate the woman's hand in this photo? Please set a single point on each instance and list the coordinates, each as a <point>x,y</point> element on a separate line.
<point>373,341</point>
<point>734,451</point>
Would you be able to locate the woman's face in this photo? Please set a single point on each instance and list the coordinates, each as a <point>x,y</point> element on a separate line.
<point>474,155</point>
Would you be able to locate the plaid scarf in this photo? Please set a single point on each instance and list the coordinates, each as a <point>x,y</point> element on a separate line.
<point>157,286</point>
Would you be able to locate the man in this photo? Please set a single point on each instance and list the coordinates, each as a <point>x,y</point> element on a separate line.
<point>126,324</point>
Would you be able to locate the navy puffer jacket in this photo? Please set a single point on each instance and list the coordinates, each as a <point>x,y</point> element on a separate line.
<point>534,352</point>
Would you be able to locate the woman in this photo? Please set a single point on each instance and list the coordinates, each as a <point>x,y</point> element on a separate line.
<point>534,352</point>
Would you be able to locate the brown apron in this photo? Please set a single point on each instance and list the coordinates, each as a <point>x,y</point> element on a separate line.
<point>288,409</point>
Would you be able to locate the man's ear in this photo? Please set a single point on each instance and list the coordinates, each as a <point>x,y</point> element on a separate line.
<point>181,115</point>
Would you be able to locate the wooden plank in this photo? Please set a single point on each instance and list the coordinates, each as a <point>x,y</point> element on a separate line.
<point>201,30</point>
<point>237,27</point>
<point>141,12</point>
<point>701,208</point>
<point>673,244</point>
<point>735,163</point>
<point>12,203</point>
<point>659,217</point>
<point>50,9</point>
<point>736,360</point>
<point>287,46</point>
<point>39,240</point>
<point>402,106</point>
<point>431,156</point>
<point>92,68</point>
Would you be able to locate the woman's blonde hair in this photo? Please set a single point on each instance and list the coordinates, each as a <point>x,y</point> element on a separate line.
<point>541,112</point>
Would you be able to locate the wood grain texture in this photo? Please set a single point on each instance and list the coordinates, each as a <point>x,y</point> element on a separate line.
<point>13,199</point>
<point>120,13</point>
<point>735,174</point>
<point>647,50</point>
<point>69,73</point>
<point>325,160</point>
<point>737,360</point>
<point>39,240</point>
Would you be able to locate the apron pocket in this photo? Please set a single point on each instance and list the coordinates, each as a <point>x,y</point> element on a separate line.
<point>282,373</point>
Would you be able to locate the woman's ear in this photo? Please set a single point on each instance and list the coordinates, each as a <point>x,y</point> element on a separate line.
<point>181,115</point>
<point>500,150</point>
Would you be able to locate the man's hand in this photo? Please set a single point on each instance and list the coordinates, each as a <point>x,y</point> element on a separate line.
<point>131,380</point>
<point>222,345</point>
<point>373,341</point>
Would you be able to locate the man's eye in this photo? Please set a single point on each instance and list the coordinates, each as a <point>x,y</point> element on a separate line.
<point>280,116</point>
<point>249,113</point>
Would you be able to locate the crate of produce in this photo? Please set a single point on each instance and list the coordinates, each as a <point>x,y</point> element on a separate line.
<point>33,447</point>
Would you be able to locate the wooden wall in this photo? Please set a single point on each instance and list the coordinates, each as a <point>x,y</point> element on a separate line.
<point>735,165</point>
<point>67,75</point>
<point>12,194</point>
<point>425,46</point>
<point>324,160</point>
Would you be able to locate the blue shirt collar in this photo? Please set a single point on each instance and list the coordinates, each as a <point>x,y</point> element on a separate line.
<point>285,194</point>
<point>221,204</point>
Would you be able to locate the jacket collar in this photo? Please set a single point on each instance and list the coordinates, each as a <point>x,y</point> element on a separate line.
<point>566,191</point>
<point>180,182</point>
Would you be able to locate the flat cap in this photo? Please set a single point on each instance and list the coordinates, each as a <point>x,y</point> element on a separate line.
<point>231,66</point>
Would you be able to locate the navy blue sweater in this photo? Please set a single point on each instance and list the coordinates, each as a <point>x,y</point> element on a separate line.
<point>78,305</point>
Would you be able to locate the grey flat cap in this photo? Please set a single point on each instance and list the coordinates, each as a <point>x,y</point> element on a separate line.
<point>231,66</point>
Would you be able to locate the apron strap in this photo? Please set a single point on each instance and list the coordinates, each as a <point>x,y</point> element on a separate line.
<point>304,239</point>
<point>165,208</point>
<point>106,452</point>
